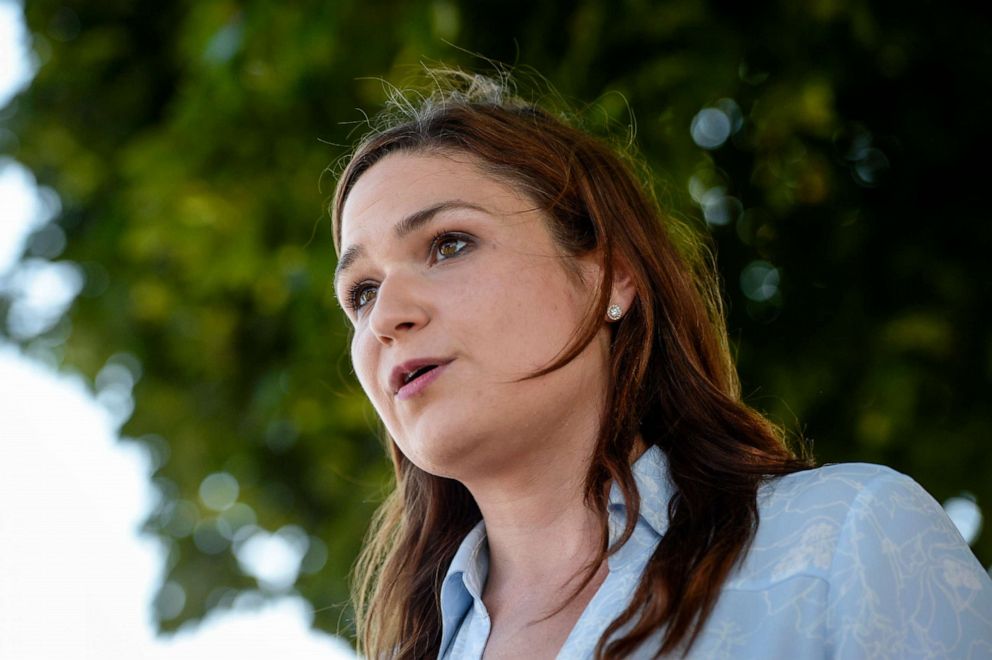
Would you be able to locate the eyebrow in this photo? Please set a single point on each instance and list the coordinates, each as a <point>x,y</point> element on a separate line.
<point>403,228</point>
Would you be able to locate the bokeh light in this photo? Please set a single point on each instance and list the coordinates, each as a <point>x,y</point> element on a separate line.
<point>114,383</point>
<point>236,516</point>
<point>180,518</point>
<point>170,601</point>
<point>41,292</point>
<point>869,168</point>
<point>713,126</point>
<point>219,491</point>
<point>17,62</point>
<point>760,281</point>
<point>315,558</point>
<point>710,128</point>
<point>212,536</point>
<point>48,242</point>
<point>868,163</point>
<point>719,208</point>
<point>273,559</point>
<point>966,515</point>
<point>24,210</point>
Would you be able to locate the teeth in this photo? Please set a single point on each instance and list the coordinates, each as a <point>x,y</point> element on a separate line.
<point>416,372</point>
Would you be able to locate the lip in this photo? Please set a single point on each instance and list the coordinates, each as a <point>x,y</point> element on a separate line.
<point>403,390</point>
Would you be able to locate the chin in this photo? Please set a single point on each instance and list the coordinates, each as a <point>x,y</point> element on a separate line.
<point>437,457</point>
<point>463,443</point>
<point>443,453</point>
<point>426,447</point>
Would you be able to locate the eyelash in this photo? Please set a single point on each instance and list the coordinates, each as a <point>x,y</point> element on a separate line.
<point>356,289</point>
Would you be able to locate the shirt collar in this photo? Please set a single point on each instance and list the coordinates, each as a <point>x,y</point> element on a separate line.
<point>471,562</point>
<point>464,581</point>
<point>654,487</point>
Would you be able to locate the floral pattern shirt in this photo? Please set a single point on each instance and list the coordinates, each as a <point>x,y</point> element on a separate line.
<point>849,561</point>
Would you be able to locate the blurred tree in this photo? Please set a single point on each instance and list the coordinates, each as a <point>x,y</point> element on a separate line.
<point>829,147</point>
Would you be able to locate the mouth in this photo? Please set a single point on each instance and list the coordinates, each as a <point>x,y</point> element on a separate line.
<point>413,376</point>
<point>416,373</point>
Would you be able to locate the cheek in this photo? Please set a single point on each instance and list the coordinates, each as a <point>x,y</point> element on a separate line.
<point>363,360</point>
<point>524,314</point>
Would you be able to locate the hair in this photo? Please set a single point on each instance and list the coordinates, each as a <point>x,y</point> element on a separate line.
<point>671,379</point>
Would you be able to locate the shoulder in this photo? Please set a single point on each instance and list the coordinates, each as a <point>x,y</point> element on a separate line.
<point>839,492</point>
<point>812,521</point>
<point>839,482</point>
<point>900,580</point>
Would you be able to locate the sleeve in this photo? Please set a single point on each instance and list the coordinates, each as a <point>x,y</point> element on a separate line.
<point>903,583</point>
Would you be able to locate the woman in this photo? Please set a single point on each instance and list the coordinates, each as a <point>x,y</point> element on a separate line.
<point>576,474</point>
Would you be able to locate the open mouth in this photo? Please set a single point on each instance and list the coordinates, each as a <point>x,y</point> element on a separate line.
<point>418,372</point>
<point>416,376</point>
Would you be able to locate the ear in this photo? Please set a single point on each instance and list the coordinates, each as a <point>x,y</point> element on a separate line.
<point>623,290</point>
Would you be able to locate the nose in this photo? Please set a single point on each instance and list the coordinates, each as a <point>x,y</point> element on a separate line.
<point>398,309</point>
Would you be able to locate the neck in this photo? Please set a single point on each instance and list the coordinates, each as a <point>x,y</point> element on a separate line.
<point>542,537</point>
<point>539,529</point>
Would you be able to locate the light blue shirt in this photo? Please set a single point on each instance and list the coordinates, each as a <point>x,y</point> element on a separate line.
<point>849,561</point>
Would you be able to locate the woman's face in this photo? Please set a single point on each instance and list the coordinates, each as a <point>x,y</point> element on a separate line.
<point>446,268</point>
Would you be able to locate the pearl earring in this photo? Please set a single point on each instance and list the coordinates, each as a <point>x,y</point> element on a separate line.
<point>614,312</point>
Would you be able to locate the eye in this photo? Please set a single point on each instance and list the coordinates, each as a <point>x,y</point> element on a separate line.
<point>361,294</point>
<point>447,245</point>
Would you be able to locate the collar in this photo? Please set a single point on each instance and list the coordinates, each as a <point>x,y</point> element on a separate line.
<point>654,487</point>
<point>462,586</point>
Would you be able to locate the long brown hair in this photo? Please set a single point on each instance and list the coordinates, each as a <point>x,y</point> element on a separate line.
<point>672,380</point>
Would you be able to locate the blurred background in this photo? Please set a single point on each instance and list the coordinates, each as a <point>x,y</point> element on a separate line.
<point>165,248</point>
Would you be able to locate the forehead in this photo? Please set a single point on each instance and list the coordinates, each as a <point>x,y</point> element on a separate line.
<point>406,182</point>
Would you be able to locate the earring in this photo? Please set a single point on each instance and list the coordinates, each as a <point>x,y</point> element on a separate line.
<point>614,312</point>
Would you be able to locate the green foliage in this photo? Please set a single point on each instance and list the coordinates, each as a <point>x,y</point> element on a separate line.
<point>188,142</point>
